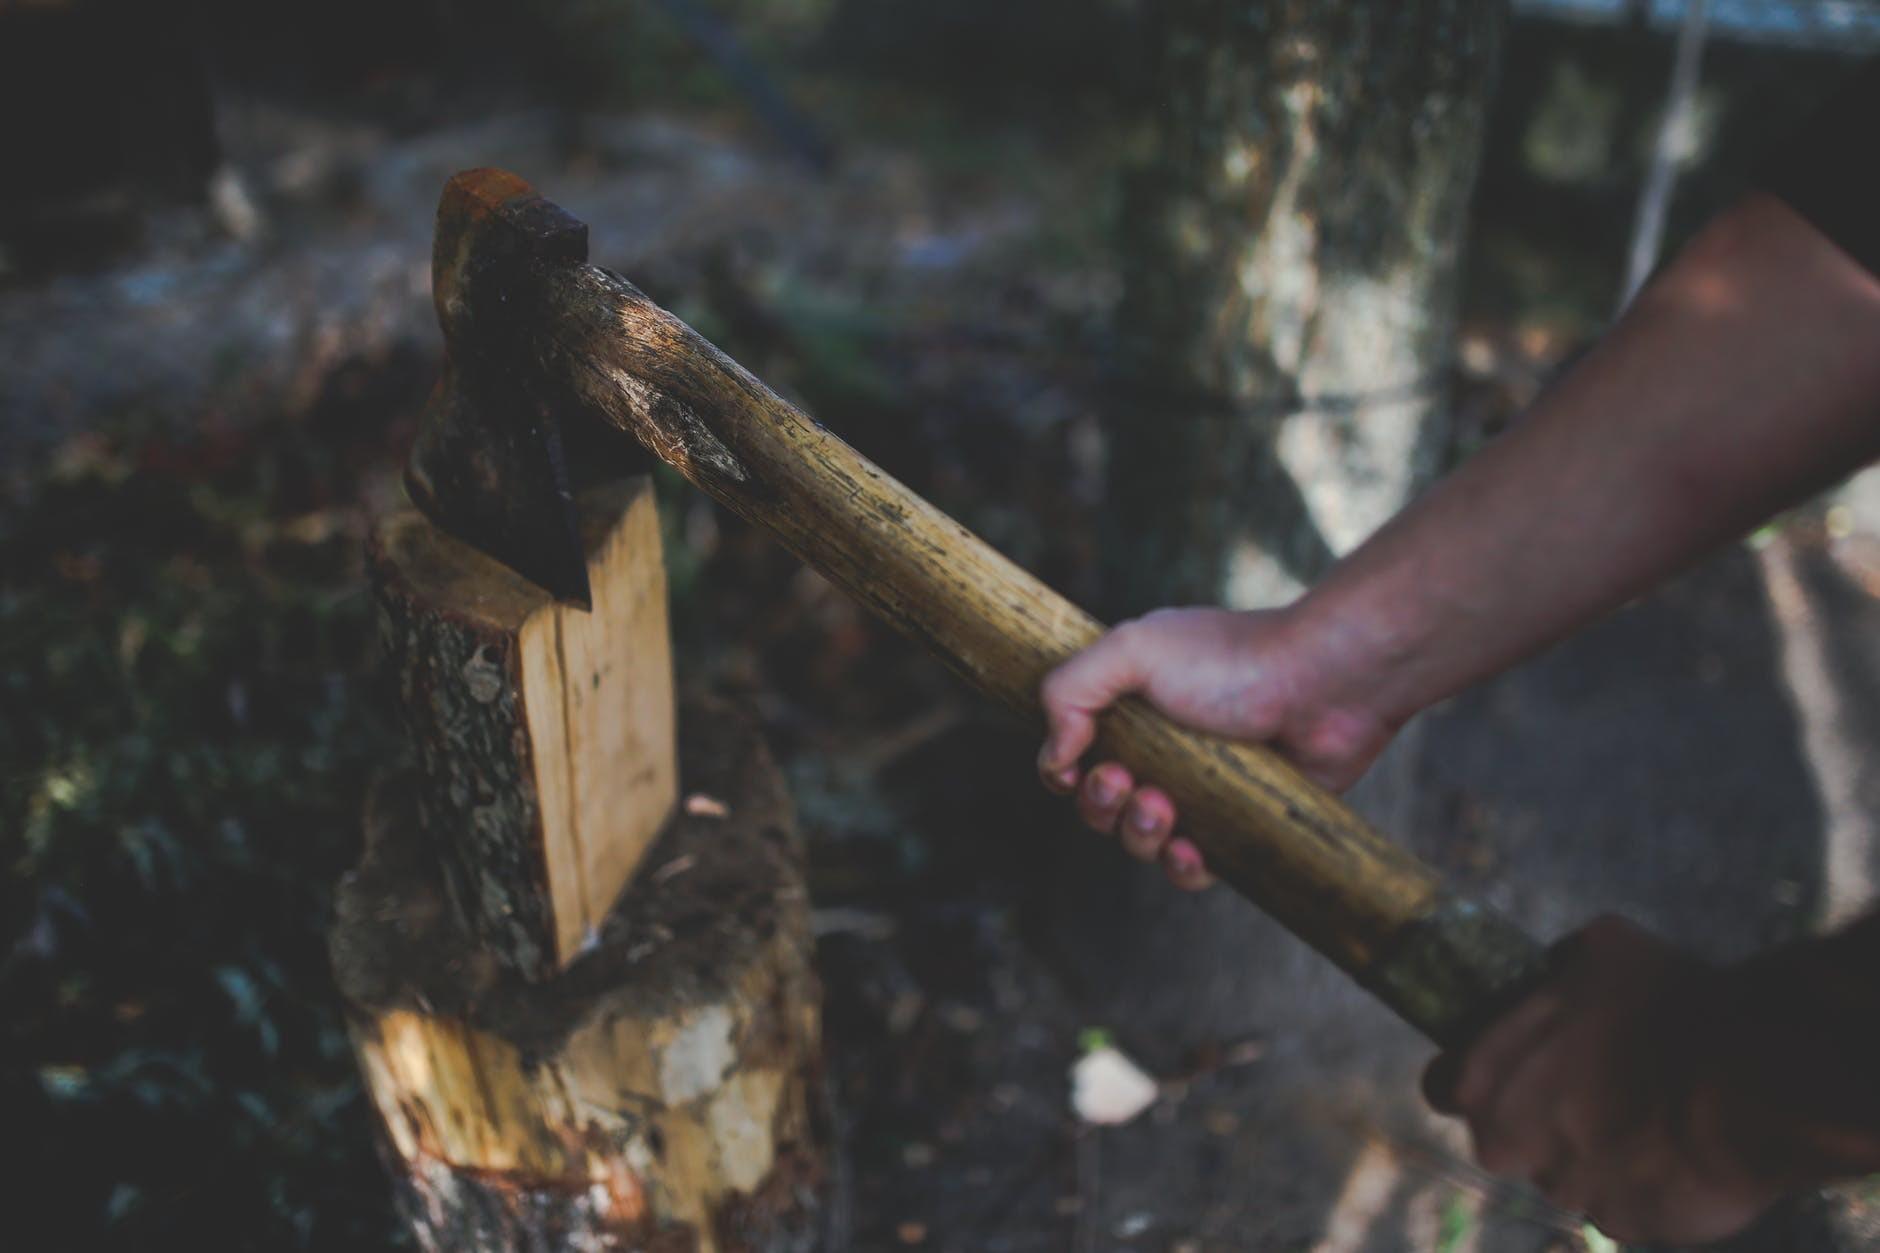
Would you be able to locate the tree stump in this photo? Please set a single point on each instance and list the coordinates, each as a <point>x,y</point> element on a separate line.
<point>543,732</point>
<point>660,1094</point>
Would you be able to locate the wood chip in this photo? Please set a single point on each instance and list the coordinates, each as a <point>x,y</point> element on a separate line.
<point>1108,1089</point>
<point>674,868</point>
<point>700,805</point>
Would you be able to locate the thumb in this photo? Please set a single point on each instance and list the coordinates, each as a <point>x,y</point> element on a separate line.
<point>1080,689</point>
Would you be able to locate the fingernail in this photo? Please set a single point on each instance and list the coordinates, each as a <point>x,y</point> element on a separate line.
<point>1067,779</point>
<point>1183,859</point>
<point>1143,824</point>
<point>1103,790</point>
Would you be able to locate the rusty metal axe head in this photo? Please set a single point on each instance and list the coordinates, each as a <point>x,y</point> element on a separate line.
<point>492,461</point>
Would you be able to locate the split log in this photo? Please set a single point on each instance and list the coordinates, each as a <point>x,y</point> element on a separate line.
<point>543,733</point>
<point>661,1094</point>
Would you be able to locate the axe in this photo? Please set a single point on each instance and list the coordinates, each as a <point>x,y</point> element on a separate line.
<point>542,350</point>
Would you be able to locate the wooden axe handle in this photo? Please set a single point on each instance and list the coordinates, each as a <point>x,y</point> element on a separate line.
<point>1441,962</point>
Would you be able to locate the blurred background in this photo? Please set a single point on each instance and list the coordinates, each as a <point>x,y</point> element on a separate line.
<point>1168,302</point>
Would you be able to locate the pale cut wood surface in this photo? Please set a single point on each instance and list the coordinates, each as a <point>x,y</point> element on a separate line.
<point>598,689</point>
<point>544,733</point>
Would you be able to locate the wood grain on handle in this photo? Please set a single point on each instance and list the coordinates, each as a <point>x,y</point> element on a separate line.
<point>1291,847</point>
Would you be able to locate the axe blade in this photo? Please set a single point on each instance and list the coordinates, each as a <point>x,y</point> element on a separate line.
<point>490,464</point>
<point>496,477</point>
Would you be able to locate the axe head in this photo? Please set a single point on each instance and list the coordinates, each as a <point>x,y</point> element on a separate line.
<point>491,462</point>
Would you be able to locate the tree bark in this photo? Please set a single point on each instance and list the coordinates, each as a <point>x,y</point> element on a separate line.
<point>1291,276</point>
<point>661,1094</point>
<point>543,733</point>
<point>1291,244</point>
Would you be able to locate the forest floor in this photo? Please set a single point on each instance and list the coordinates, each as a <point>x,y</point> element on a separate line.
<point>195,438</point>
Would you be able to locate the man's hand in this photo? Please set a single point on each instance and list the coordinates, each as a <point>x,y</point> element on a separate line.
<point>1604,1090</point>
<point>1265,677</point>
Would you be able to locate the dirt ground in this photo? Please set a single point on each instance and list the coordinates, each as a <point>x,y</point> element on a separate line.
<point>1702,761</point>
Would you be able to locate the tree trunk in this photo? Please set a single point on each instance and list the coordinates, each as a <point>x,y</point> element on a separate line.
<point>1291,259</point>
<point>661,1094</point>
<point>1291,249</point>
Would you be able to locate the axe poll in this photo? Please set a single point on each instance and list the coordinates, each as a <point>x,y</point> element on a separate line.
<point>543,348</point>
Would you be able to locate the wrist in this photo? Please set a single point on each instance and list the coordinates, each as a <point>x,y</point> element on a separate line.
<point>1368,652</point>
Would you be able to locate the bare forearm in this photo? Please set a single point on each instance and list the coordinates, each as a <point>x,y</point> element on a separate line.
<point>1744,378</point>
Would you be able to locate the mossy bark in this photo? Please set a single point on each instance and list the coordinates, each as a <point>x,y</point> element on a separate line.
<point>1292,238</point>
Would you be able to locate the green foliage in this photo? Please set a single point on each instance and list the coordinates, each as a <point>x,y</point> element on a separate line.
<point>1457,1223</point>
<point>185,735</point>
